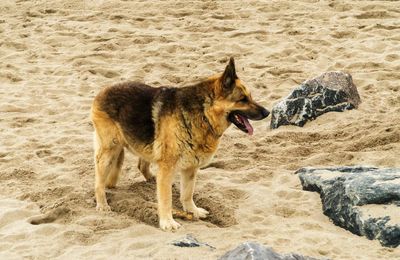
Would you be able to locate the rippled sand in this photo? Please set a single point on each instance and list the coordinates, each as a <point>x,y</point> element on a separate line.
<point>54,58</point>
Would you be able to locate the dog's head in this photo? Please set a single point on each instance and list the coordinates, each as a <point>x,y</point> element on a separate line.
<point>235,101</point>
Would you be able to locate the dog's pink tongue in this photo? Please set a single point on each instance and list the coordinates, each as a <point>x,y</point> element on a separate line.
<point>247,124</point>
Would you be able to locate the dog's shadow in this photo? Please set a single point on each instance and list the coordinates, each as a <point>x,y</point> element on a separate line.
<point>139,201</point>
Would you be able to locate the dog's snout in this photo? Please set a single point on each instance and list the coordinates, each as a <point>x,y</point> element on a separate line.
<point>264,112</point>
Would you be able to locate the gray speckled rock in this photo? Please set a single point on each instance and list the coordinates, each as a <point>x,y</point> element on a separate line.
<point>254,251</point>
<point>331,91</point>
<point>363,200</point>
<point>190,241</point>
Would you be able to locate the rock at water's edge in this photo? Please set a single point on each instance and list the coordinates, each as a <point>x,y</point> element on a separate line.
<point>363,200</point>
<point>331,91</point>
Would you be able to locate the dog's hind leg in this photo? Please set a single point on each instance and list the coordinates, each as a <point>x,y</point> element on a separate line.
<point>144,168</point>
<point>108,155</point>
<point>115,171</point>
<point>106,162</point>
<point>188,179</point>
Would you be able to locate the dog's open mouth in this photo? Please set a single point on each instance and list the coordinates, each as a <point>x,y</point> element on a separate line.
<point>241,122</point>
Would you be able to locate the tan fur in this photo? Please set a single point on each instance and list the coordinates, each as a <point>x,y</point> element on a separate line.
<point>109,155</point>
<point>176,146</point>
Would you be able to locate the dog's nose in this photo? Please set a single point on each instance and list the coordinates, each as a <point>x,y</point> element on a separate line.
<point>264,112</point>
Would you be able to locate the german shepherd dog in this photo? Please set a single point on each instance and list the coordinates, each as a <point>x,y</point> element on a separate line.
<point>179,129</point>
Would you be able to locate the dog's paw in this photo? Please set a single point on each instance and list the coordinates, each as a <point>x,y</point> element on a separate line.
<point>103,208</point>
<point>199,213</point>
<point>169,224</point>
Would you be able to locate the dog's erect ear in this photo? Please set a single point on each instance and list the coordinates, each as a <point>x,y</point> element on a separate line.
<point>229,76</point>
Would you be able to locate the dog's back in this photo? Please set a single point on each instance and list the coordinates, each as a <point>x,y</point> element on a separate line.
<point>130,105</point>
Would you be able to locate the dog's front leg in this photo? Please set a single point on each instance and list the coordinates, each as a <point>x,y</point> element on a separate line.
<point>188,179</point>
<point>164,195</point>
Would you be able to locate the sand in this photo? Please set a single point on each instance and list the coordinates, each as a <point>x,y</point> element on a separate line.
<point>56,55</point>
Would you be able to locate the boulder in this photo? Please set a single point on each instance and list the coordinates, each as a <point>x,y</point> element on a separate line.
<point>363,200</point>
<point>331,91</point>
<point>255,251</point>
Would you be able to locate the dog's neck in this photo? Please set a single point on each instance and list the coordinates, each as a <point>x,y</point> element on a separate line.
<point>211,115</point>
<point>215,119</point>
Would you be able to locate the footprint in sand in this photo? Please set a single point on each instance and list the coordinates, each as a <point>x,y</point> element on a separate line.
<point>373,15</point>
<point>55,159</point>
<point>343,34</point>
<point>43,153</point>
<point>392,57</point>
<point>18,122</point>
<point>240,146</point>
<point>50,216</point>
<point>233,164</point>
<point>105,73</point>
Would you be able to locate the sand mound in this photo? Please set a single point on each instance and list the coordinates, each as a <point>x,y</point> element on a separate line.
<point>139,202</point>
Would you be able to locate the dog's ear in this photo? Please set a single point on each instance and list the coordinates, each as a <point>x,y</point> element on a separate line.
<point>229,76</point>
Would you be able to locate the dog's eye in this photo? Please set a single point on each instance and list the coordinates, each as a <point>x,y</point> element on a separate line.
<point>244,99</point>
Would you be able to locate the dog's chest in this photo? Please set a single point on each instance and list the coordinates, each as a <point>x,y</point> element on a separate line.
<point>198,160</point>
<point>199,155</point>
<point>205,159</point>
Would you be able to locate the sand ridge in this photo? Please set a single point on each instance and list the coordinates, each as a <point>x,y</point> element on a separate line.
<point>54,58</point>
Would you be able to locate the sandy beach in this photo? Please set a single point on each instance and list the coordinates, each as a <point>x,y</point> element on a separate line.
<point>55,56</point>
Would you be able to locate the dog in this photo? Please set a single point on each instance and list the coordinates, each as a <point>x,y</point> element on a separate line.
<point>179,129</point>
